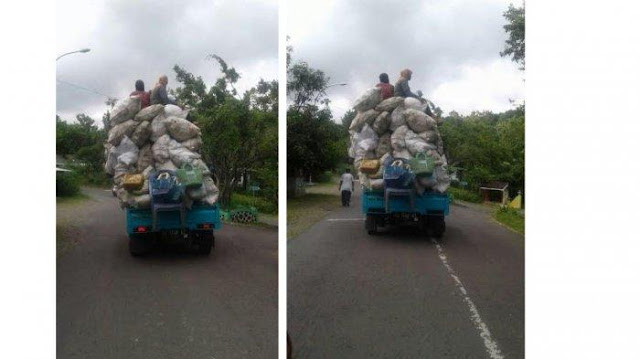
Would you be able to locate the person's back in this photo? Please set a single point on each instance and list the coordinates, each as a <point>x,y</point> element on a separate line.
<point>346,187</point>
<point>145,99</point>
<point>386,89</point>
<point>402,85</point>
<point>159,93</point>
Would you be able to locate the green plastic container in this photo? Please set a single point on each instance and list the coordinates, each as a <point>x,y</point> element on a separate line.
<point>189,176</point>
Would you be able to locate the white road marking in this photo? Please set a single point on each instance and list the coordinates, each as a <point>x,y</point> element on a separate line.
<point>344,219</point>
<point>490,345</point>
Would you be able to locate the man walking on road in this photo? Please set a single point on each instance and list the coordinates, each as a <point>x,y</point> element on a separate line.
<point>346,187</point>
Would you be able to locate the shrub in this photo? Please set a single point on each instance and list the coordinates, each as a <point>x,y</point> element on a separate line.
<point>464,195</point>
<point>262,205</point>
<point>510,217</point>
<point>67,184</point>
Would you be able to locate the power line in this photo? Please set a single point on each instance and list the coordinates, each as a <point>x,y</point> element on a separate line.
<point>84,88</point>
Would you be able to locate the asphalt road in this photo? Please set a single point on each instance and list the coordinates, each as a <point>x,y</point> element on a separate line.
<point>400,295</point>
<point>169,304</point>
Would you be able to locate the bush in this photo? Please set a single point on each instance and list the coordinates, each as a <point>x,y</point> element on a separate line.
<point>464,195</point>
<point>67,184</point>
<point>325,177</point>
<point>262,205</point>
<point>511,218</point>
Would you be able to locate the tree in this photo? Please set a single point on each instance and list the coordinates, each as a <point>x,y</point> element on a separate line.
<point>514,46</point>
<point>306,86</point>
<point>239,134</point>
<point>347,118</point>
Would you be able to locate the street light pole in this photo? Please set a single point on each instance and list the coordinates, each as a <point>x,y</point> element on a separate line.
<point>73,52</point>
<point>336,84</point>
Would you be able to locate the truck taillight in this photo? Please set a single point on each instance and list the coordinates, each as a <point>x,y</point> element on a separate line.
<point>140,229</point>
<point>205,226</point>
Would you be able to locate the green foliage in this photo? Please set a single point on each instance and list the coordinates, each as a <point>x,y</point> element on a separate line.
<point>347,118</point>
<point>306,85</point>
<point>464,195</point>
<point>486,146</point>
<point>67,184</point>
<point>70,137</point>
<point>240,135</point>
<point>263,205</point>
<point>511,218</point>
<point>514,46</point>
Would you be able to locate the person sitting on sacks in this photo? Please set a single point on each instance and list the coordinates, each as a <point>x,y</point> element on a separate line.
<point>402,89</point>
<point>386,89</point>
<point>145,97</point>
<point>159,93</point>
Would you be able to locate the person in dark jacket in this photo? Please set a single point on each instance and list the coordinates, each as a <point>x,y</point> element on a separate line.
<point>402,89</point>
<point>402,85</point>
<point>145,97</point>
<point>159,93</point>
<point>386,89</point>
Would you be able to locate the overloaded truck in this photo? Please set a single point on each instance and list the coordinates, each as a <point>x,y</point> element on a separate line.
<point>160,179</point>
<point>398,153</point>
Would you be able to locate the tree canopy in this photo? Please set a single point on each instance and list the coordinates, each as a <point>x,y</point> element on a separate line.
<point>514,46</point>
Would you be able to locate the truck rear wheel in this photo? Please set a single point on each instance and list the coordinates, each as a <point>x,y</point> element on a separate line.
<point>437,226</point>
<point>205,243</point>
<point>139,244</point>
<point>370,224</point>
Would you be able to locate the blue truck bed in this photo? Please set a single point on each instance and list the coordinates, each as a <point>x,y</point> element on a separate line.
<point>195,217</point>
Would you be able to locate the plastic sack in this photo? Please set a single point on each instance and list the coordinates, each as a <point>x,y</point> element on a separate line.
<point>368,139</point>
<point>363,118</point>
<point>397,138</point>
<point>404,154</point>
<point>419,121</point>
<point>160,149</point>
<point>203,166</point>
<point>140,201</point>
<point>181,156</point>
<point>429,136</point>
<point>149,113</point>
<point>384,145</point>
<point>376,183</point>
<point>197,193</point>
<point>381,123</point>
<point>158,127</point>
<point>124,110</point>
<point>145,157</point>
<point>189,176</point>
<point>129,158</point>
<point>415,104</point>
<point>415,144</point>
<point>126,152</point>
<point>443,179</point>
<point>355,138</point>
<point>119,131</point>
<point>212,191</point>
<point>175,111</point>
<point>390,104</point>
<point>181,129</point>
<point>368,100</point>
<point>193,144</point>
<point>168,165</point>
<point>397,118</point>
<point>141,134</point>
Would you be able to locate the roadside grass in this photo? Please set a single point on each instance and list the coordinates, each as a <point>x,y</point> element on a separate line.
<point>63,239</point>
<point>511,218</point>
<point>304,211</point>
<point>262,205</point>
<point>76,198</point>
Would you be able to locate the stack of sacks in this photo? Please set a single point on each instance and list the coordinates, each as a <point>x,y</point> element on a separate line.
<point>155,138</point>
<point>396,128</point>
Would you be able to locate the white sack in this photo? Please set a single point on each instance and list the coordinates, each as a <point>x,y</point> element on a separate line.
<point>201,165</point>
<point>368,100</point>
<point>175,111</point>
<point>397,138</point>
<point>382,122</point>
<point>141,134</point>
<point>197,193</point>
<point>397,118</point>
<point>193,144</point>
<point>145,156</point>
<point>414,103</point>
<point>119,131</point>
<point>181,129</point>
<point>402,154</point>
<point>149,113</point>
<point>389,104</point>
<point>180,155</point>
<point>124,110</point>
<point>415,144</point>
<point>158,127</point>
<point>384,145</point>
<point>368,139</point>
<point>212,191</point>
<point>429,136</point>
<point>166,166</point>
<point>160,149</point>
<point>419,121</point>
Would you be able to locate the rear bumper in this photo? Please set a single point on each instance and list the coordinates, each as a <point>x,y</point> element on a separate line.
<point>168,221</point>
<point>429,203</point>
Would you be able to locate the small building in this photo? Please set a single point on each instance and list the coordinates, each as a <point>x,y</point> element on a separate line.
<point>495,191</point>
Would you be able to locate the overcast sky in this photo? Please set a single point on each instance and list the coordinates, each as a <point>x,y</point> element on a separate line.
<point>143,39</point>
<point>452,46</point>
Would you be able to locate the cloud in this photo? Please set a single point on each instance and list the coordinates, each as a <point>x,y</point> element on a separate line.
<point>132,40</point>
<point>440,40</point>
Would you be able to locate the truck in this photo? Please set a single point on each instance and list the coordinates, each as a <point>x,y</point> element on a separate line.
<point>388,206</point>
